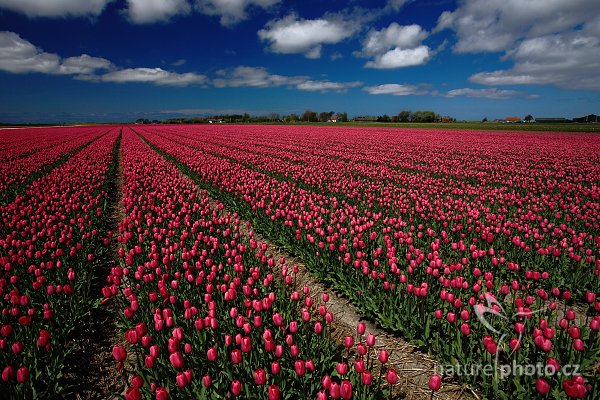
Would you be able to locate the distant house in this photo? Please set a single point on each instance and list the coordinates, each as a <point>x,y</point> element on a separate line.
<point>215,121</point>
<point>512,120</point>
<point>447,119</point>
<point>365,118</point>
<point>552,120</point>
<point>333,118</point>
<point>592,118</point>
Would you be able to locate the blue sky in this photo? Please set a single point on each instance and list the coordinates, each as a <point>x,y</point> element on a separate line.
<point>116,60</point>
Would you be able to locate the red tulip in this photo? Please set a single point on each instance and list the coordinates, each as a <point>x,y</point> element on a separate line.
<point>8,373</point>
<point>119,353</point>
<point>300,367</point>
<point>275,367</point>
<point>181,379</point>
<point>176,360</point>
<point>273,392</point>
<point>435,382</point>
<point>346,390</point>
<point>161,393</point>
<point>260,376</point>
<point>542,386</point>
<point>366,377</point>
<point>575,388</point>
<point>236,387</point>
<point>236,356</point>
<point>212,354</point>
<point>348,341</point>
<point>361,327</point>
<point>370,340</point>
<point>341,368</point>
<point>391,376</point>
<point>383,356</point>
<point>133,393</point>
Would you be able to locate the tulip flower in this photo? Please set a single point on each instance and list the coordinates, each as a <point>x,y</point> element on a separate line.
<point>346,390</point>
<point>391,376</point>
<point>273,392</point>
<point>236,387</point>
<point>260,376</point>
<point>542,386</point>
<point>435,382</point>
<point>119,353</point>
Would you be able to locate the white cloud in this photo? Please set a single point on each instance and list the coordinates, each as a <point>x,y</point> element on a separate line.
<point>56,8</point>
<point>552,42</point>
<point>491,93</point>
<point>149,11</point>
<point>395,89</point>
<point>179,62</point>
<point>292,35</point>
<point>496,25</point>
<point>327,86</point>
<point>258,77</point>
<point>568,60</point>
<point>379,42</point>
<point>156,76</point>
<point>19,56</point>
<point>396,46</point>
<point>398,58</point>
<point>84,64</point>
<point>231,11</point>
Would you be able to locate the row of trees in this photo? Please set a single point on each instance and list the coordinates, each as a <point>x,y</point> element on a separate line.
<point>310,116</point>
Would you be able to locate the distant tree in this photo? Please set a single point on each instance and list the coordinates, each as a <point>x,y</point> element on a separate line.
<point>293,117</point>
<point>484,119</point>
<point>325,116</point>
<point>384,118</point>
<point>309,116</point>
<point>528,118</point>
<point>404,116</point>
<point>246,117</point>
<point>343,117</point>
<point>274,117</point>
<point>424,116</point>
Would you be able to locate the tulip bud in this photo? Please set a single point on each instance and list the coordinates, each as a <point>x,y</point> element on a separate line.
<point>435,382</point>
<point>391,376</point>
<point>542,386</point>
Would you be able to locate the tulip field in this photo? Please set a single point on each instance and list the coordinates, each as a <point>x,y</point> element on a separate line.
<point>480,248</point>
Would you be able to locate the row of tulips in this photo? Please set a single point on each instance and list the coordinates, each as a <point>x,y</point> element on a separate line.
<point>206,314</point>
<point>50,238</point>
<point>461,287</point>
<point>29,154</point>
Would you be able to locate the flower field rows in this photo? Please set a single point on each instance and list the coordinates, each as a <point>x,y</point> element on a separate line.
<point>26,155</point>
<point>483,249</point>
<point>49,239</point>
<point>205,312</point>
